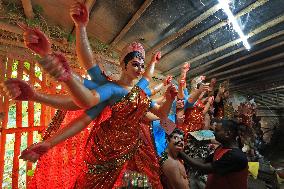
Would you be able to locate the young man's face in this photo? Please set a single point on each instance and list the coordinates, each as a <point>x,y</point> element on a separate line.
<point>176,143</point>
<point>221,135</point>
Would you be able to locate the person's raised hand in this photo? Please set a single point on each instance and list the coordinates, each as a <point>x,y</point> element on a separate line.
<point>156,57</point>
<point>204,87</point>
<point>57,66</point>
<point>36,40</point>
<point>185,67</point>
<point>211,100</point>
<point>17,89</point>
<point>171,92</point>
<point>168,80</point>
<point>79,14</point>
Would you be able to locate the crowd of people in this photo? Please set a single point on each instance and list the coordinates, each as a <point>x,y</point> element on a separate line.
<point>105,139</point>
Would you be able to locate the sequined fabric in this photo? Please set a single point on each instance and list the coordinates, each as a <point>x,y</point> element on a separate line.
<point>228,111</point>
<point>61,165</point>
<point>194,119</point>
<point>220,113</point>
<point>121,143</point>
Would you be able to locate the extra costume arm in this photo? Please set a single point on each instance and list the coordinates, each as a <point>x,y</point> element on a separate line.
<point>149,72</point>
<point>64,102</point>
<point>70,130</point>
<point>182,82</point>
<point>163,110</point>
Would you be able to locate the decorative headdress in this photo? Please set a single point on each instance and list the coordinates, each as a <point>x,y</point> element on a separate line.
<point>134,46</point>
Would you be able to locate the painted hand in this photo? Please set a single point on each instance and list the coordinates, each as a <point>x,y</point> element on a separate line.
<point>18,90</point>
<point>185,67</point>
<point>168,80</point>
<point>180,104</point>
<point>211,100</point>
<point>57,66</point>
<point>171,92</point>
<point>204,87</point>
<point>34,152</point>
<point>182,82</point>
<point>36,40</point>
<point>79,14</point>
<point>156,57</point>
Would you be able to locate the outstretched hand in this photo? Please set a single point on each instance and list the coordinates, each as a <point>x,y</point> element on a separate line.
<point>18,90</point>
<point>204,87</point>
<point>79,13</point>
<point>211,100</point>
<point>57,66</point>
<point>34,152</point>
<point>156,57</point>
<point>36,40</point>
<point>185,67</point>
<point>168,80</point>
<point>171,92</point>
<point>182,82</point>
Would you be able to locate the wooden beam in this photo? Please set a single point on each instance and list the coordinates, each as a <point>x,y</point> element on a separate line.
<point>132,21</point>
<point>23,129</point>
<point>248,65</point>
<point>276,65</point>
<point>260,84</point>
<point>256,77</point>
<point>245,57</point>
<point>217,26</point>
<point>16,29</point>
<point>254,32</point>
<point>28,9</point>
<point>198,70</point>
<point>183,30</point>
<point>274,89</point>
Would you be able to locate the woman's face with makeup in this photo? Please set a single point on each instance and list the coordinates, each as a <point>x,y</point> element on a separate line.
<point>135,67</point>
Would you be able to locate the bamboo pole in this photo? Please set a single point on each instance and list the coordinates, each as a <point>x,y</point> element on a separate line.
<point>28,9</point>
<point>8,71</point>
<point>30,117</point>
<point>17,144</point>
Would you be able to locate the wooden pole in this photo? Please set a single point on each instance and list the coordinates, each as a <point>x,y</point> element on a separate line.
<point>254,32</point>
<point>8,71</point>
<point>249,65</point>
<point>17,144</point>
<point>132,21</point>
<point>30,117</point>
<point>28,9</point>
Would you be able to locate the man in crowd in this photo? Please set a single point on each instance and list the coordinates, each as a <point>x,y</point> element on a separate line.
<point>173,170</point>
<point>228,166</point>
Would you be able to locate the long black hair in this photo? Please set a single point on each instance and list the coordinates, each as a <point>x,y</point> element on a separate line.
<point>131,55</point>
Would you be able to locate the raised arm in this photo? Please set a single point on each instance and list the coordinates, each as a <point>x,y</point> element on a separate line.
<point>219,94</point>
<point>80,16</point>
<point>208,104</point>
<point>163,110</point>
<point>149,72</point>
<point>158,87</point>
<point>34,152</point>
<point>194,95</point>
<point>20,90</point>
<point>182,81</point>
